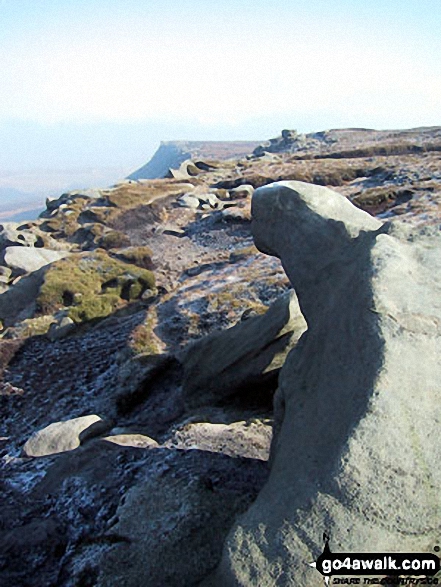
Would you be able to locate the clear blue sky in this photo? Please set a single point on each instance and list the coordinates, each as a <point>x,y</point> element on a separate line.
<point>98,83</point>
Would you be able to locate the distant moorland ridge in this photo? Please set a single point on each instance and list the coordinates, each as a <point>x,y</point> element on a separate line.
<point>171,154</point>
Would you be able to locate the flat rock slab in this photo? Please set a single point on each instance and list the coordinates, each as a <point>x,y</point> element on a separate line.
<point>59,437</point>
<point>28,259</point>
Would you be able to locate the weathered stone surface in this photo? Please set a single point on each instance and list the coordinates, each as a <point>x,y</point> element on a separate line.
<point>209,278</point>
<point>18,303</point>
<point>132,439</point>
<point>186,170</point>
<point>239,439</point>
<point>210,199</point>
<point>246,357</point>
<point>58,437</point>
<point>171,525</point>
<point>27,259</point>
<point>356,443</point>
<point>62,328</point>
<point>189,201</point>
<point>242,191</point>
<point>11,235</point>
<point>237,213</point>
<point>5,274</point>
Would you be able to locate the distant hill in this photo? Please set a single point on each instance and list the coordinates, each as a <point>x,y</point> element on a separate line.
<point>171,154</point>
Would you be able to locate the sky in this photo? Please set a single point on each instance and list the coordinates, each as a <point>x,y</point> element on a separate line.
<point>95,85</point>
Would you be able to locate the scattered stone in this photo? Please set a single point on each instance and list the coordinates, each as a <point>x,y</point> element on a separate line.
<point>236,214</point>
<point>170,229</point>
<point>62,328</point>
<point>354,444</point>
<point>210,199</point>
<point>189,201</point>
<point>58,437</point>
<point>5,274</point>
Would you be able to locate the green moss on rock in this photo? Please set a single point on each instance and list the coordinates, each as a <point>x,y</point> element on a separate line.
<point>91,285</point>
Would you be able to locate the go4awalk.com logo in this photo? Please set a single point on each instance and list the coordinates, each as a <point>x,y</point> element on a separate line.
<point>361,568</point>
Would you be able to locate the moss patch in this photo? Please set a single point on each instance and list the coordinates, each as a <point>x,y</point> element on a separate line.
<point>234,299</point>
<point>32,327</point>
<point>139,256</point>
<point>114,239</point>
<point>92,285</point>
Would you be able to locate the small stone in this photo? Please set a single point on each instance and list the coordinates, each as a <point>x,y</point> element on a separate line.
<point>133,440</point>
<point>23,260</point>
<point>61,329</point>
<point>189,201</point>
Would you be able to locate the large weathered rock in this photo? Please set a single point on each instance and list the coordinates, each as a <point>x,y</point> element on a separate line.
<point>11,234</point>
<point>27,259</point>
<point>186,169</point>
<point>356,445</point>
<point>18,302</point>
<point>246,357</point>
<point>170,526</point>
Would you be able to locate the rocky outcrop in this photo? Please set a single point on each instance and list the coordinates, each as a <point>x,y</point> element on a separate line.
<point>186,169</point>
<point>168,155</point>
<point>244,359</point>
<point>11,234</point>
<point>171,154</point>
<point>19,301</point>
<point>356,443</point>
<point>149,498</point>
<point>24,260</point>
